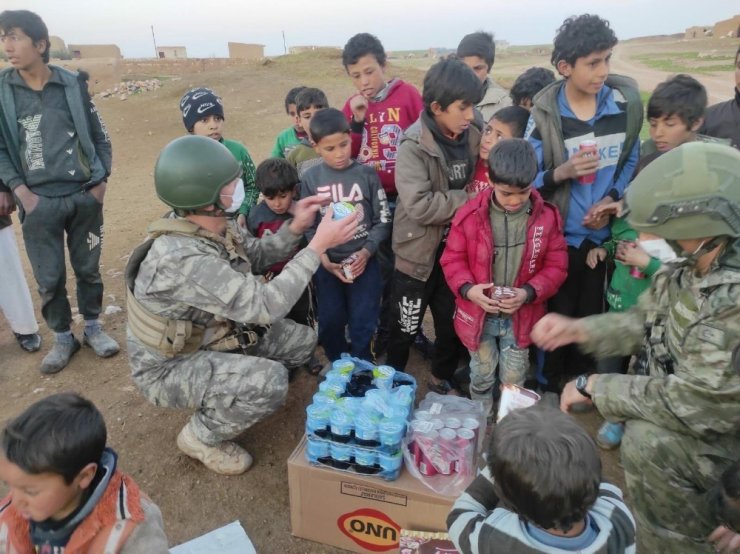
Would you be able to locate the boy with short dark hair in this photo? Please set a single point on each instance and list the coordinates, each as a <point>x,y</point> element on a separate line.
<point>436,159</point>
<point>307,103</point>
<point>348,282</point>
<point>478,52</point>
<point>541,491</point>
<point>530,261</point>
<point>585,129</point>
<point>203,114</point>
<point>675,112</point>
<point>378,115</point>
<point>528,84</point>
<point>55,157</point>
<point>726,507</point>
<point>278,182</point>
<point>290,137</point>
<point>66,493</point>
<point>509,122</point>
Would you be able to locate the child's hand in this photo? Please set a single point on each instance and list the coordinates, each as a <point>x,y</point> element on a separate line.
<point>334,269</point>
<point>630,253</point>
<point>242,221</point>
<point>358,105</point>
<point>358,266</point>
<point>595,256</point>
<point>512,304</point>
<point>601,211</point>
<point>579,164</point>
<point>479,295</point>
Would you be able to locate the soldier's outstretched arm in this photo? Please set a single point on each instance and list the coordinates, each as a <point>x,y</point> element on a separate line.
<point>701,396</point>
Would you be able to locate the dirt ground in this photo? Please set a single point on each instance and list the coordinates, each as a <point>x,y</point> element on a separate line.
<point>193,500</point>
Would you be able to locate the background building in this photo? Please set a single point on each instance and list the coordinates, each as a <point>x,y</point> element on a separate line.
<point>246,51</point>
<point>171,52</point>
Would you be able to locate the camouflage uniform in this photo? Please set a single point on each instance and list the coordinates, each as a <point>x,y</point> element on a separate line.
<point>682,410</point>
<point>206,278</point>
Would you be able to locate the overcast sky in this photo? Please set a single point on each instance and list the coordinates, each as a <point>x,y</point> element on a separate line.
<point>205,26</point>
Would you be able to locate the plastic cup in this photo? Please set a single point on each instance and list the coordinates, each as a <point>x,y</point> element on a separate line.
<point>390,462</point>
<point>383,377</point>
<point>341,426</point>
<point>453,423</point>
<point>390,432</point>
<point>345,367</point>
<point>341,455</point>
<point>337,375</point>
<point>316,449</point>
<point>332,387</point>
<point>317,418</point>
<point>366,430</point>
<point>365,457</point>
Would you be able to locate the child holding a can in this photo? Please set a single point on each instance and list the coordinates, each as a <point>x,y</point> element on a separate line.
<point>348,282</point>
<point>505,256</point>
<point>585,129</point>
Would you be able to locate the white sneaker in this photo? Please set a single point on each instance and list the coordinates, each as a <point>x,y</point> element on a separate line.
<point>226,458</point>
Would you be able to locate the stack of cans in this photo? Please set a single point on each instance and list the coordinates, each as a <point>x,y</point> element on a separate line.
<point>443,445</point>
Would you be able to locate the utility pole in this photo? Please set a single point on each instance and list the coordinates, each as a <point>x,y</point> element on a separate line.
<point>285,46</point>
<point>156,53</point>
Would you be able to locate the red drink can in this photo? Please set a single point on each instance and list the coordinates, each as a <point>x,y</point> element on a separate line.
<point>591,146</point>
<point>453,423</point>
<point>426,468</point>
<point>465,447</point>
<point>444,462</point>
<point>472,424</point>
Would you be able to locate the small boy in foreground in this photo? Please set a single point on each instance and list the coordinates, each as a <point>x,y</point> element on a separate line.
<point>506,238</point>
<point>66,495</point>
<point>541,491</point>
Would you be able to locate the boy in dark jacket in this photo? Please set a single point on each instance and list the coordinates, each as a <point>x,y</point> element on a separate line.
<point>505,237</point>
<point>348,281</point>
<point>58,171</point>
<point>436,159</point>
<point>590,105</point>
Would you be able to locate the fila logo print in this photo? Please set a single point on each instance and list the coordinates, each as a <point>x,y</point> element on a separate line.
<point>92,240</point>
<point>410,315</point>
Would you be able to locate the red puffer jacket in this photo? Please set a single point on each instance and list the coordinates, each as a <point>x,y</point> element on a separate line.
<point>468,258</point>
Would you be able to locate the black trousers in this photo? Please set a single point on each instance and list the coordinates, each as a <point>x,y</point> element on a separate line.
<point>77,217</point>
<point>408,302</point>
<point>581,295</point>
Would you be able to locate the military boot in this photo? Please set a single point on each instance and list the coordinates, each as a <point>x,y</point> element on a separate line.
<point>226,458</point>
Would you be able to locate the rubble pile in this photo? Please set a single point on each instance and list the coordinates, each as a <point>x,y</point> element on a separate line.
<point>124,89</point>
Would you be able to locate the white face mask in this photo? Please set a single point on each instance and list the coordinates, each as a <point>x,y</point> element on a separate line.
<point>237,198</point>
<point>658,248</point>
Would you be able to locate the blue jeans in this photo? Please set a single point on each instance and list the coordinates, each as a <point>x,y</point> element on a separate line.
<point>356,304</point>
<point>497,344</point>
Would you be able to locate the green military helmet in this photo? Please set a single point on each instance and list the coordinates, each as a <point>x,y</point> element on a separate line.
<point>191,171</point>
<point>691,192</point>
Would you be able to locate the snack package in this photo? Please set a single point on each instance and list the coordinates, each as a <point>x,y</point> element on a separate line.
<point>514,397</point>
<point>425,542</point>
<point>443,442</point>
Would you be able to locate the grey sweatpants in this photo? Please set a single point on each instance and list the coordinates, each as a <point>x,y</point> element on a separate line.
<point>79,216</point>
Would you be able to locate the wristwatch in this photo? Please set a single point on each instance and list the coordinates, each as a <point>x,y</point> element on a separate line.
<point>581,382</point>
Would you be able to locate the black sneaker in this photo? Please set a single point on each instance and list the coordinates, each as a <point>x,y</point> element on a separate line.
<point>424,345</point>
<point>29,343</point>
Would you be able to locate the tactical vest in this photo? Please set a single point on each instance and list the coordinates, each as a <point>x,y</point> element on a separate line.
<point>171,337</point>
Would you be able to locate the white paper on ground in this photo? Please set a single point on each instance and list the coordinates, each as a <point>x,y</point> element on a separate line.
<point>229,539</point>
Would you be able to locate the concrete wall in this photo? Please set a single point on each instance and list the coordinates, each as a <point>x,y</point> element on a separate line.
<point>84,51</point>
<point>56,44</point>
<point>728,27</point>
<point>172,52</point>
<point>246,51</point>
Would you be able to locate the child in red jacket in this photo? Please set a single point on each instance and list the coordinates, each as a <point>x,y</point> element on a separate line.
<point>505,256</point>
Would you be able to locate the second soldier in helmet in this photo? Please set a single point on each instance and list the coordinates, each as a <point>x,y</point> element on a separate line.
<point>682,409</point>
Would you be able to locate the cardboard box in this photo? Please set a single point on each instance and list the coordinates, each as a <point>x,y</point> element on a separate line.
<point>356,512</point>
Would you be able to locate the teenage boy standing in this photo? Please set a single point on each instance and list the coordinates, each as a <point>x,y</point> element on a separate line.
<point>55,155</point>
<point>588,104</point>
